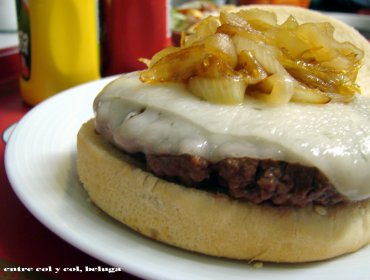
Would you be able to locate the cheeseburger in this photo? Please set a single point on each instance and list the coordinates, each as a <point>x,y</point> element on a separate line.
<point>251,140</point>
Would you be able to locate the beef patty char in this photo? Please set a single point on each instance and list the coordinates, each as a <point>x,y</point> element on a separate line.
<point>247,179</point>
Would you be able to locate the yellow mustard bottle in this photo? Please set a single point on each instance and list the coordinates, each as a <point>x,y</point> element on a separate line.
<point>58,46</point>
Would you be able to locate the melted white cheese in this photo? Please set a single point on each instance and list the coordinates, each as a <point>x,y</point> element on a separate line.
<point>166,118</point>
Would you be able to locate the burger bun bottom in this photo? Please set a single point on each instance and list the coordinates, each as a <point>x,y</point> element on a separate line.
<point>209,223</point>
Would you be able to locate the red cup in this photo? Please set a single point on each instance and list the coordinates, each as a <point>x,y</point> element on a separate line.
<point>131,30</point>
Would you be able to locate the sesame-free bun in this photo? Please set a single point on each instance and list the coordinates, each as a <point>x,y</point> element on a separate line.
<point>212,224</point>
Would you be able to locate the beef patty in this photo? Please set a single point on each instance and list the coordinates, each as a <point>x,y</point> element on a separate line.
<point>247,179</point>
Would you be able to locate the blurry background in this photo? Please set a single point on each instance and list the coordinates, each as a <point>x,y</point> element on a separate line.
<point>354,12</point>
<point>329,5</point>
<point>347,6</point>
<point>183,15</point>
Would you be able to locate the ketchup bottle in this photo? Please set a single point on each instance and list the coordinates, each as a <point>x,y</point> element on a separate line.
<point>131,29</point>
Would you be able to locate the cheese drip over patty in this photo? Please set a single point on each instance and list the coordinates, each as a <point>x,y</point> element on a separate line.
<point>167,119</point>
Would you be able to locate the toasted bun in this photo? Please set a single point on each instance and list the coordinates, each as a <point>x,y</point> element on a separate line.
<point>215,225</point>
<point>210,224</point>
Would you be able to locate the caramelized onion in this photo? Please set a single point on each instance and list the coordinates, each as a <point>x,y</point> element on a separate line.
<point>250,67</point>
<point>204,28</point>
<point>222,45</point>
<point>307,95</point>
<point>218,90</point>
<point>248,52</point>
<point>279,89</point>
<point>162,53</point>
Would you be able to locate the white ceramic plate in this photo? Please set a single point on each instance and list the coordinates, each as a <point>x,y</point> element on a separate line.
<point>40,162</point>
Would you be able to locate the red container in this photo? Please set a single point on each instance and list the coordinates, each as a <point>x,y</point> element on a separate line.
<point>131,29</point>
